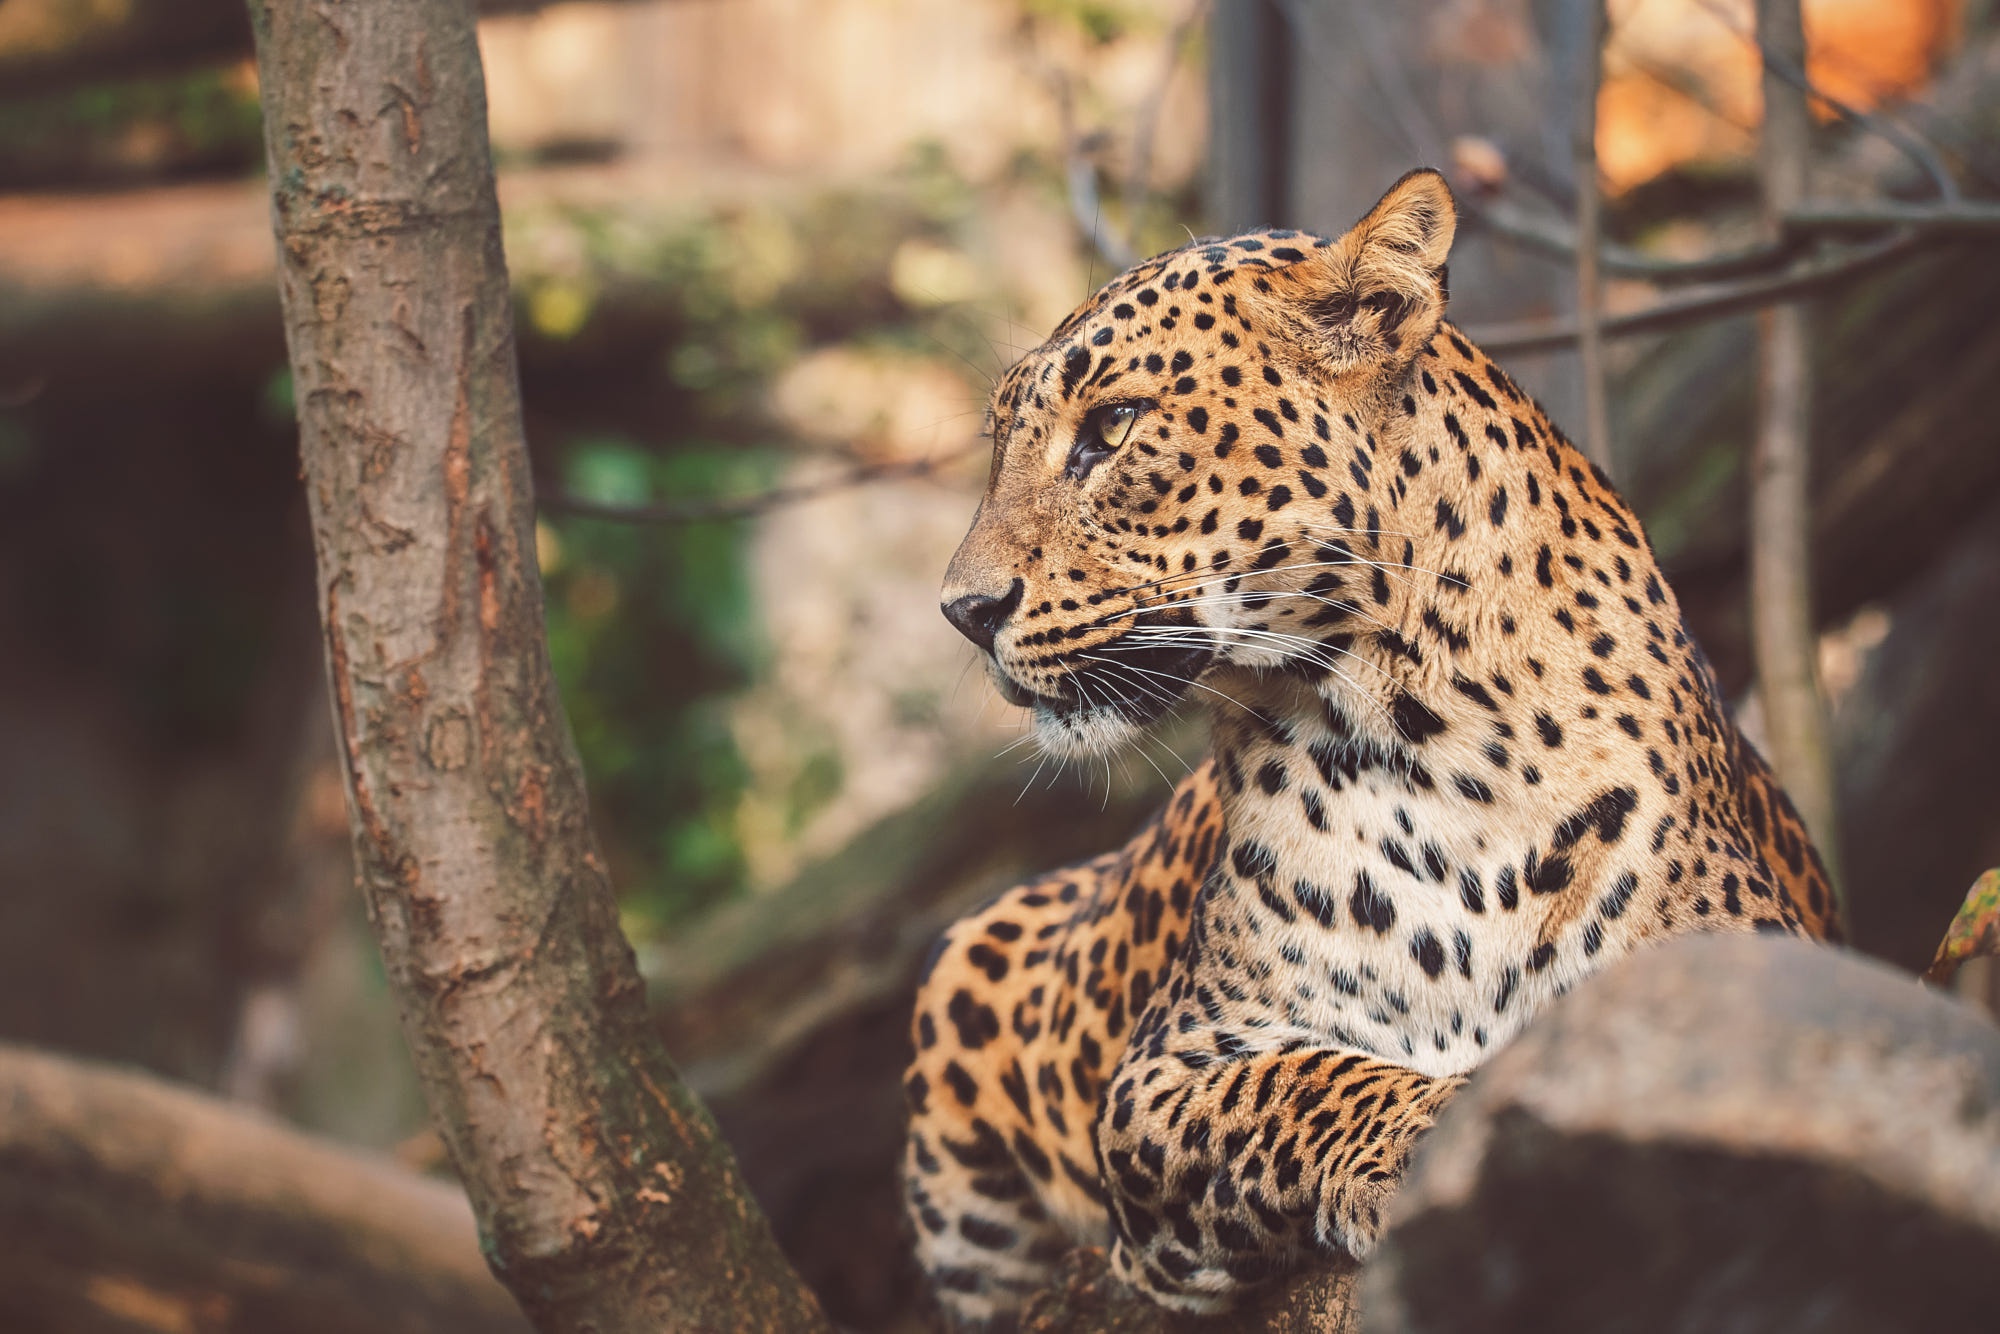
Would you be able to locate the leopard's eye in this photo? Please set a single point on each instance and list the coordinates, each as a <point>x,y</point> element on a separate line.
<point>1104,430</point>
<point>1115,425</point>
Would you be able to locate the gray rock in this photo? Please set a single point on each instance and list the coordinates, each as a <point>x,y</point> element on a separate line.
<point>1723,1134</point>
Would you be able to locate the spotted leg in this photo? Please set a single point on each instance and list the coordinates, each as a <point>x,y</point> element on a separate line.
<point>1219,1176</point>
<point>985,1171</point>
<point>984,1259</point>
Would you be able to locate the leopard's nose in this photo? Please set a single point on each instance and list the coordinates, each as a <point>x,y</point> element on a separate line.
<point>979,616</point>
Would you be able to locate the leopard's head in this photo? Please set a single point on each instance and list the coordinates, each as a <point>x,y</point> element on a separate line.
<point>1171,486</point>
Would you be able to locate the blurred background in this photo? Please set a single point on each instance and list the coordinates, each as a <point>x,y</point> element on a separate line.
<point>767,256</point>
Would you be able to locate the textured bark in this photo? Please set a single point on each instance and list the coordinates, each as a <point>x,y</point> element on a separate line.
<point>605,1199</point>
<point>129,1204</point>
<point>1781,617</point>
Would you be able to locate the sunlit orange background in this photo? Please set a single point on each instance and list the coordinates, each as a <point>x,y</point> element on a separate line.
<point>1681,77</point>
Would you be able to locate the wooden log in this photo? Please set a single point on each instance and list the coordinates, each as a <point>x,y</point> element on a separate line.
<point>1086,1299</point>
<point>128,1204</point>
<point>52,45</point>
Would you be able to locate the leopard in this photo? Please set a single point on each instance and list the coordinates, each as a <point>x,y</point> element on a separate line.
<point>1463,753</point>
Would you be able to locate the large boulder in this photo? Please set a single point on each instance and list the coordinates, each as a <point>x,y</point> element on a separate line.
<point>1724,1134</point>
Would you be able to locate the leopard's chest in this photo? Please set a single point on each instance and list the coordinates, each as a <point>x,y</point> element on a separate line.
<point>1385,917</point>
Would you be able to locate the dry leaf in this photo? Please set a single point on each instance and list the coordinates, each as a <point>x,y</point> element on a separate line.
<point>1974,932</point>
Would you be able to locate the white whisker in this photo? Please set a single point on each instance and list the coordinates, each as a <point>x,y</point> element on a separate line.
<point>1234,599</point>
<point>1178,680</point>
<point>1306,647</point>
<point>1031,778</point>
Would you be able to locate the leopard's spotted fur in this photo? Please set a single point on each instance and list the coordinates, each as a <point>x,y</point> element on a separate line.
<point>1464,753</point>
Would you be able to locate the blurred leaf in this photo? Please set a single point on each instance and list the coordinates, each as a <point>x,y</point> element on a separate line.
<point>1974,933</point>
<point>559,309</point>
<point>611,472</point>
<point>1100,21</point>
<point>651,631</point>
<point>277,405</point>
<point>817,782</point>
<point>203,121</point>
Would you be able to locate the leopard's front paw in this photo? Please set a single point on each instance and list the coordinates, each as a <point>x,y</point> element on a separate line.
<point>1174,1279</point>
<point>1352,1212</point>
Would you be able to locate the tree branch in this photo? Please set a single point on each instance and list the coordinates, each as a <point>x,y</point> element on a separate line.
<point>750,507</point>
<point>1955,220</point>
<point>604,1197</point>
<point>1589,201</point>
<point>1802,225</point>
<point>1781,613</point>
<point>119,1191</point>
<point>1702,306</point>
<point>1557,240</point>
<point>55,45</point>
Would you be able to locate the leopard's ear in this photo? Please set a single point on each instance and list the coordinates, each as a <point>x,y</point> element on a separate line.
<point>1375,297</point>
<point>1407,235</point>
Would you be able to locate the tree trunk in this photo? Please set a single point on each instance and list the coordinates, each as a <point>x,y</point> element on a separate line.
<point>604,1197</point>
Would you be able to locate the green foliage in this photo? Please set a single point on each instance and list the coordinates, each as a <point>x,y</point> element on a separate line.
<point>653,629</point>
<point>650,631</point>
<point>204,121</point>
<point>1973,934</point>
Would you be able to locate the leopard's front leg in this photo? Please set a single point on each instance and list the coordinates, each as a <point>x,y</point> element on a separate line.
<point>1223,1171</point>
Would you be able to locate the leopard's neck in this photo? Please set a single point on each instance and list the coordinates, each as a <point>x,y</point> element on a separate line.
<point>1376,879</point>
<point>1415,876</point>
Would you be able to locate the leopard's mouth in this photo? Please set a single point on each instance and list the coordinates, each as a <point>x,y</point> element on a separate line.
<point>1137,680</point>
<point>1112,692</point>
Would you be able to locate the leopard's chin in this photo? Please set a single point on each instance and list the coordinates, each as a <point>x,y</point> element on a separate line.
<point>1070,732</point>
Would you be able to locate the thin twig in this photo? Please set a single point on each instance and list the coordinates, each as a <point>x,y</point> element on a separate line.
<point>1953,217</point>
<point>1690,89</point>
<point>1589,200</point>
<point>747,507</point>
<point>1515,337</point>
